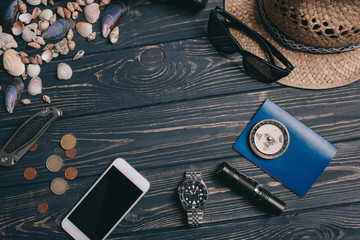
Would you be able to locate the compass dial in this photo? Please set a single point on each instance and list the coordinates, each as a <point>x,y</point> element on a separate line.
<point>269,139</point>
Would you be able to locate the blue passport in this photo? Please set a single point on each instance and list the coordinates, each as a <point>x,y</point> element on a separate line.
<point>306,157</point>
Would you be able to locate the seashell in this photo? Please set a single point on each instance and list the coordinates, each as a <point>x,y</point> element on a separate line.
<point>84,29</point>
<point>23,54</point>
<point>113,15</point>
<point>43,25</point>
<point>62,47</point>
<point>58,29</point>
<point>35,86</point>
<point>24,76</point>
<point>92,36</point>
<point>55,54</point>
<point>52,19</point>
<point>104,2</point>
<point>64,71</point>
<point>70,6</point>
<point>13,92</point>
<point>39,40</point>
<point>60,11</point>
<point>28,35</point>
<point>22,6</point>
<point>25,101</point>
<point>35,13</point>
<point>46,14</point>
<point>77,7</point>
<point>34,45</point>
<point>38,59</point>
<point>25,18</point>
<point>33,60</point>
<point>79,55</point>
<point>92,12</point>
<point>71,45</point>
<point>44,2</point>
<point>114,35</point>
<point>75,15</point>
<point>31,27</point>
<point>46,99</point>
<point>48,46</point>
<point>70,35</point>
<point>51,2</point>
<point>12,63</point>
<point>67,13</point>
<point>47,55</point>
<point>17,28</point>
<point>24,59</point>
<point>7,41</point>
<point>9,15</point>
<point>34,2</point>
<point>89,2</point>
<point>81,2</point>
<point>33,70</point>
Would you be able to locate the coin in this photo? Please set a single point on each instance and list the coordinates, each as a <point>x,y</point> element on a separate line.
<point>42,207</point>
<point>33,148</point>
<point>30,173</point>
<point>54,163</point>
<point>68,141</point>
<point>70,153</point>
<point>58,186</point>
<point>71,173</point>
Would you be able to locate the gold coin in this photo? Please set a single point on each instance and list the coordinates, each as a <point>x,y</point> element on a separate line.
<point>71,173</point>
<point>58,186</point>
<point>68,142</point>
<point>54,163</point>
<point>42,207</point>
<point>30,173</point>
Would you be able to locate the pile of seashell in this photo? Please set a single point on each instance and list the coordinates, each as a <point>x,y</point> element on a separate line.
<point>39,26</point>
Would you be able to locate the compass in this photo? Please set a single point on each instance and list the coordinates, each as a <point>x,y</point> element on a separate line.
<point>269,139</point>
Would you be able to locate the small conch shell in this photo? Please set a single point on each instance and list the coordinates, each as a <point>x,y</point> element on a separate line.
<point>46,99</point>
<point>35,13</point>
<point>12,63</point>
<point>71,45</point>
<point>34,2</point>
<point>60,11</point>
<point>67,13</point>
<point>25,101</point>
<point>77,7</point>
<point>47,55</point>
<point>25,18</point>
<point>17,28</point>
<point>35,86</point>
<point>81,2</point>
<point>79,55</point>
<point>92,12</point>
<point>44,2</point>
<point>52,19</point>
<point>33,70</point>
<point>70,35</point>
<point>114,35</point>
<point>34,45</point>
<point>64,71</point>
<point>84,29</point>
<point>46,14</point>
<point>92,36</point>
<point>22,6</point>
<point>75,15</point>
<point>43,25</point>
<point>70,6</point>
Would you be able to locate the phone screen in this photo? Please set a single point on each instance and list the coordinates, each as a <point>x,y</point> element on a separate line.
<point>105,204</point>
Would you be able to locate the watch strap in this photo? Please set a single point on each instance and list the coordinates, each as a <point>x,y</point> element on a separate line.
<point>193,175</point>
<point>195,218</point>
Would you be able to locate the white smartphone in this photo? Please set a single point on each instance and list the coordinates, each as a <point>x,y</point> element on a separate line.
<point>107,202</point>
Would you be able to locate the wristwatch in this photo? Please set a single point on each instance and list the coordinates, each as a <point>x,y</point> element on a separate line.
<point>193,195</point>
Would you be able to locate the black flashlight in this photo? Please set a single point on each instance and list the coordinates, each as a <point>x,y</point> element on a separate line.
<point>250,189</point>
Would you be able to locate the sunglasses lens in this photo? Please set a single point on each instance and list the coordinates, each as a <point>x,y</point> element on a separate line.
<point>261,70</point>
<point>219,36</point>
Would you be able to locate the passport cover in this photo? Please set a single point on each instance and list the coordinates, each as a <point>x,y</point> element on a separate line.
<point>305,159</point>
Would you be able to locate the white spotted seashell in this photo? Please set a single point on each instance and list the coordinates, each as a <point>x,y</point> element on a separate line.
<point>33,70</point>
<point>34,2</point>
<point>64,71</point>
<point>25,18</point>
<point>12,63</point>
<point>35,86</point>
<point>84,29</point>
<point>46,14</point>
<point>92,12</point>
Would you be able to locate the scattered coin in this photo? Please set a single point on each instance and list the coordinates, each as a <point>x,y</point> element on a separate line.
<point>71,173</point>
<point>58,186</point>
<point>68,142</point>
<point>54,163</point>
<point>42,207</point>
<point>30,173</point>
<point>33,148</point>
<point>70,153</point>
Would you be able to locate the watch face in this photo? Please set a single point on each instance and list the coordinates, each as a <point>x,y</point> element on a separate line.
<point>193,194</point>
<point>269,139</point>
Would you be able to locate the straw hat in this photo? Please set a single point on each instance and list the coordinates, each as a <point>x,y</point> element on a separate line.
<point>320,38</point>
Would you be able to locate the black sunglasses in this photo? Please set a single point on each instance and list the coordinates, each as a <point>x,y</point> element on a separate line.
<point>258,68</point>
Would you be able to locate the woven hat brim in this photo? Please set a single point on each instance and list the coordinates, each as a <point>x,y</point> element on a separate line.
<point>312,71</point>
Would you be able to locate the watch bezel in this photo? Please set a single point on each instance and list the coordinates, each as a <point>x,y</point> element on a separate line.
<point>185,205</point>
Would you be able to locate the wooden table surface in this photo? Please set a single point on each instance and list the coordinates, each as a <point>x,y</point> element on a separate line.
<point>168,102</point>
